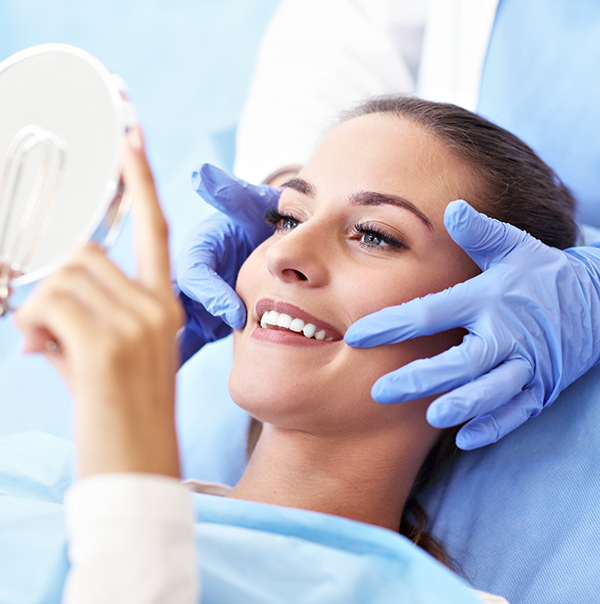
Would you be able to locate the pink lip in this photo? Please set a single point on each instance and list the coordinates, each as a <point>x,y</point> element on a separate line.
<point>289,338</point>
<point>265,304</point>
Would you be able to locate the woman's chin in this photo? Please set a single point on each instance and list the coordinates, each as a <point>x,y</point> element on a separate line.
<point>267,398</point>
<point>282,400</point>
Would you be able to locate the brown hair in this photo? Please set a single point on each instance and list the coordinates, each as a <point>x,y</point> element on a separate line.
<point>515,186</point>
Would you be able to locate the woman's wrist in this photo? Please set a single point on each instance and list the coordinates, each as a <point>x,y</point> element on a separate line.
<point>146,446</point>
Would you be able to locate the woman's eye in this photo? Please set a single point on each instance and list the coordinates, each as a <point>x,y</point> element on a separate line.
<point>373,239</point>
<point>281,222</point>
<point>287,222</point>
<point>374,236</point>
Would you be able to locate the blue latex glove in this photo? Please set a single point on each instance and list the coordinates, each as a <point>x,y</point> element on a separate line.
<point>213,253</point>
<point>533,317</point>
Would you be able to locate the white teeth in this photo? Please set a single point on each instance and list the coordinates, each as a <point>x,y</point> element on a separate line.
<point>309,330</point>
<point>284,320</point>
<point>297,325</point>
<point>272,317</point>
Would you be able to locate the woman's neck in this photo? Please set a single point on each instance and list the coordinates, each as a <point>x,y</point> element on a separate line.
<point>362,478</point>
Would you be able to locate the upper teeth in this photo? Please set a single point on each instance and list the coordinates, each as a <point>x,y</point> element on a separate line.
<point>272,317</point>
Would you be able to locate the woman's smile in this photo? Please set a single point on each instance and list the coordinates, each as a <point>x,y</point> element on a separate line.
<point>284,323</point>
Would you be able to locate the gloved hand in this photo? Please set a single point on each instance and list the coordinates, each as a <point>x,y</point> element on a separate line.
<point>213,253</point>
<point>533,317</point>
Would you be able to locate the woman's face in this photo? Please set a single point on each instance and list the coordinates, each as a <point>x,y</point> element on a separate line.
<point>362,230</point>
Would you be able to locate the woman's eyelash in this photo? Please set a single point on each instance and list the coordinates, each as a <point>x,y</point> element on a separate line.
<point>376,232</point>
<point>372,236</point>
<point>274,217</point>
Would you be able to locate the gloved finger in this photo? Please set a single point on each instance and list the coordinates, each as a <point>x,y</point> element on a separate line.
<point>491,427</point>
<point>217,296</point>
<point>425,316</point>
<point>200,329</point>
<point>446,371</point>
<point>485,239</point>
<point>244,203</point>
<point>207,268</point>
<point>482,395</point>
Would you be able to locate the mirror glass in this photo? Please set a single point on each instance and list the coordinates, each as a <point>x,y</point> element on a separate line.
<point>61,141</point>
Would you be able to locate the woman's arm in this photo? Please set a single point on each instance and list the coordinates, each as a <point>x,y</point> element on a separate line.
<point>114,343</point>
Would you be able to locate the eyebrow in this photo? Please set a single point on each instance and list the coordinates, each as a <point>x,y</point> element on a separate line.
<point>363,198</point>
<point>301,186</point>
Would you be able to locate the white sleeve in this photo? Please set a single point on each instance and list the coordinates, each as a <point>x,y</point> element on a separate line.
<point>131,540</point>
<point>318,58</point>
<point>490,598</point>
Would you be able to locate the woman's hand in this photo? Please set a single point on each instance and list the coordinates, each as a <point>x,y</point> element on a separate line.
<point>115,340</point>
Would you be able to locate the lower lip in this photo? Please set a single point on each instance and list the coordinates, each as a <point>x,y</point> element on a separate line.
<point>275,336</point>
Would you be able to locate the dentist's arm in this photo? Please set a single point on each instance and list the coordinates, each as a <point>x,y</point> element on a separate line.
<point>533,317</point>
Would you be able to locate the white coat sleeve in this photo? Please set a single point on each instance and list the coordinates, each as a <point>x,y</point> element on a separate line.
<point>131,540</point>
<point>490,598</point>
<point>320,57</point>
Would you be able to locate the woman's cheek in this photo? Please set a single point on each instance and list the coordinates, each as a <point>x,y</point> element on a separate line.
<point>247,285</point>
<point>249,275</point>
<point>385,359</point>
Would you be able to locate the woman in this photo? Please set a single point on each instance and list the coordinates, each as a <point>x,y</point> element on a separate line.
<point>361,228</point>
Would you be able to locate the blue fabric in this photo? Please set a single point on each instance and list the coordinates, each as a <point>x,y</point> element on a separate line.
<point>541,81</point>
<point>249,552</point>
<point>521,516</point>
<point>35,471</point>
<point>312,558</point>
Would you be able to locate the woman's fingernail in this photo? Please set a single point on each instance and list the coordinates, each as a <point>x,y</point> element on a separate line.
<point>134,138</point>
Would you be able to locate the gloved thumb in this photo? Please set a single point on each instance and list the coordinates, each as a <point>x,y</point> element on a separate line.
<point>244,203</point>
<point>485,239</point>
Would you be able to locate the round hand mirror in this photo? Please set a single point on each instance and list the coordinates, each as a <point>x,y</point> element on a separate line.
<point>61,144</point>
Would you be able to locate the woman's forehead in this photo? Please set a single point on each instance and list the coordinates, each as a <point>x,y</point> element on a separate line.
<point>388,154</point>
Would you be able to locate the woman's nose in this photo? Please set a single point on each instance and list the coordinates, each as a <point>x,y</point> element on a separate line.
<point>298,257</point>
